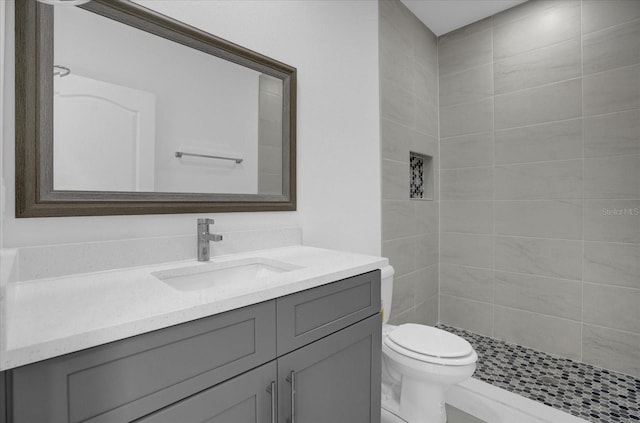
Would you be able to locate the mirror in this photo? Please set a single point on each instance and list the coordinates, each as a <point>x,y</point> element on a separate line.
<point>137,113</point>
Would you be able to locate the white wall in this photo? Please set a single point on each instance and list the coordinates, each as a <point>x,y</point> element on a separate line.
<point>334,46</point>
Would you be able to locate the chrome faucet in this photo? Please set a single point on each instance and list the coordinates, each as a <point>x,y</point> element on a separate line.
<point>204,237</point>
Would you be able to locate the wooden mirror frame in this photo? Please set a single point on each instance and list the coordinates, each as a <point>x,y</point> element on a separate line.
<point>35,196</point>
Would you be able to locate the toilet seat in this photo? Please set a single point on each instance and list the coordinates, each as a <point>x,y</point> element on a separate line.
<point>430,345</point>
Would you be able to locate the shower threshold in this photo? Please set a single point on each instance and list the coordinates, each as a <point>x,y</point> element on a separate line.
<point>491,404</point>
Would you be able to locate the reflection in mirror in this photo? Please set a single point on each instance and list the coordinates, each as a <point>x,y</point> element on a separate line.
<point>126,101</point>
<point>123,110</point>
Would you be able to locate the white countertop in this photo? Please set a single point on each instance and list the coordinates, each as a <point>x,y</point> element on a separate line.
<point>46,318</point>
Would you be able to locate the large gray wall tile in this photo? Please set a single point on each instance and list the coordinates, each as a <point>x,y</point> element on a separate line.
<point>401,255</point>
<point>467,31</point>
<point>398,219</point>
<point>536,256</point>
<point>558,101</point>
<point>467,151</point>
<point>538,331</point>
<point>395,180</point>
<point>397,104</point>
<point>408,316</point>
<point>612,91</point>
<point>474,217</point>
<point>548,141</point>
<point>427,284</point>
<point>612,48</point>
<point>532,30</point>
<point>612,177</point>
<point>425,84</point>
<point>395,140</point>
<point>539,181</point>
<point>467,118</point>
<point>598,310</point>
<point>427,312</point>
<point>611,349</point>
<point>426,119</point>
<point>554,63</point>
<point>473,84</point>
<point>614,134</point>
<point>403,293</point>
<point>425,48</point>
<point>612,264</point>
<point>396,66</point>
<point>612,220</point>
<point>555,297</point>
<point>466,184</point>
<point>456,54</point>
<point>467,249</point>
<point>395,19</point>
<point>529,9</point>
<point>424,144</point>
<point>542,218</point>
<point>426,250</point>
<point>598,14</point>
<point>466,314</point>
<point>467,282</point>
<point>426,215</point>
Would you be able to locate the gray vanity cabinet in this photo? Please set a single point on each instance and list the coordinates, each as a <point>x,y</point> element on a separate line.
<point>308,357</point>
<point>335,379</point>
<point>242,399</point>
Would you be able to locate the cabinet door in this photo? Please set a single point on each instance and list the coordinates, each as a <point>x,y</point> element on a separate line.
<point>335,379</point>
<point>131,378</point>
<point>244,399</point>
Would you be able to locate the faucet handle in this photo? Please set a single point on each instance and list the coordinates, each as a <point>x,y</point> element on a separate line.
<point>205,221</point>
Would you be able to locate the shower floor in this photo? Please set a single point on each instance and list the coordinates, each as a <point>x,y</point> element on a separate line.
<point>594,394</point>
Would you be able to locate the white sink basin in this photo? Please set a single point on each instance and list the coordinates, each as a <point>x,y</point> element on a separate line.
<point>239,273</point>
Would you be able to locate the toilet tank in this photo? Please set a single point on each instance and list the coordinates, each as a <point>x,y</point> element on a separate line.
<point>386,292</point>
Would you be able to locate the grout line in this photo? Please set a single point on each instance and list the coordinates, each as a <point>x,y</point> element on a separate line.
<point>395,122</point>
<point>538,86</point>
<point>556,200</point>
<point>500,235</point>
<point>468,167</point>
<point>548,122</point>
<point>439,196</point>
<point>627,155</point>
<point>466,103</point>
<point>614,329</point>
<point>493,178</point>
<point>637,64</point>
<point>582,182</point>
<point>537,313</point>
<point>632,21</point>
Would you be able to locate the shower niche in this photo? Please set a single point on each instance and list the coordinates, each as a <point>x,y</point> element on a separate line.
<point>420,176</point>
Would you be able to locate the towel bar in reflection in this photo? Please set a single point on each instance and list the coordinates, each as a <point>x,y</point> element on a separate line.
<point>182,153</point>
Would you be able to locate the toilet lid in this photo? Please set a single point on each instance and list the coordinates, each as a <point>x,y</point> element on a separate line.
<point>430,341</point>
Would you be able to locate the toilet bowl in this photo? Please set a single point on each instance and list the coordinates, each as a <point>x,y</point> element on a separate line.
<point>419,364</point>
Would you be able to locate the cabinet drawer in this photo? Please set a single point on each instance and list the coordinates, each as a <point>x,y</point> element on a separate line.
<point>131,378</point>
<point>244,399</point>
<point>309,315</point>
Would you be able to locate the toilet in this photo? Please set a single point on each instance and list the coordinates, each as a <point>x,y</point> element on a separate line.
<point>419,364</point>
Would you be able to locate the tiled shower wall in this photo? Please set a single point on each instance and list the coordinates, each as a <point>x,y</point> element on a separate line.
<point>409,122</point>
<point>540,179</point>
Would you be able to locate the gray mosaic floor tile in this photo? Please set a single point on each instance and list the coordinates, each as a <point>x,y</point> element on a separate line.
<point>594,394</point>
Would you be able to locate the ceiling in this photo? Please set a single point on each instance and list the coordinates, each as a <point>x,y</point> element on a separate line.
<point>442,16</point>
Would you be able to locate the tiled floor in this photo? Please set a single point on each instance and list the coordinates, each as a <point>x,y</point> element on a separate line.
<point>591,393</point>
